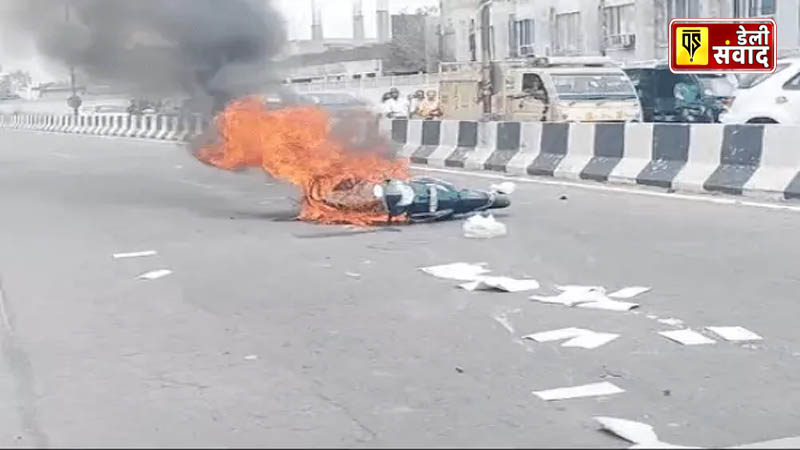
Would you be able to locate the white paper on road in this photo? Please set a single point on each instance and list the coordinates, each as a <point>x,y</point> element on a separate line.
<point>457,271</point>
<point>590,340</point>
<point>251,357</point>
<point>687,337</point>
<point>573,297</point>
<point>735,334</point>
<point>353,274</point>
<point>609,305</point>
<point>588,390</point>
<point>640,434</point>
<point>576,289</point>
<point>480,227</point>
<point>154,275</point>
<point>556,335</point>
<point>506,188</point>
<point>503,284</point>
<point>135,254</point>
<point>629,292</point>
<point>671,322</point>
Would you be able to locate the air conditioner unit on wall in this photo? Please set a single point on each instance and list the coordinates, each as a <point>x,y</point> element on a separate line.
<point>628,40</point>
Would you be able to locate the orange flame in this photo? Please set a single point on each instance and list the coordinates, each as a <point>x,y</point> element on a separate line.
<point>294,144</point>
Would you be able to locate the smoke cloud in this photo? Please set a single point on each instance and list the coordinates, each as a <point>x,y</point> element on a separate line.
<point>218,47</point>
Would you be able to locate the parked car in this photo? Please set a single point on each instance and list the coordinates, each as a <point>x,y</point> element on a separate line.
<point>671,97</point>
<point>768,97</point>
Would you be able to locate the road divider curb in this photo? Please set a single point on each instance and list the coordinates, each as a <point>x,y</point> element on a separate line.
<point>750,160</point>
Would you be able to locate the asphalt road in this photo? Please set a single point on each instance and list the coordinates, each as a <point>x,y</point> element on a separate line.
<point>92,356</point>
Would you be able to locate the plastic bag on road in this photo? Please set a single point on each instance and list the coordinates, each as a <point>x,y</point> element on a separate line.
<point>506,188</point>
<point>480,227</point>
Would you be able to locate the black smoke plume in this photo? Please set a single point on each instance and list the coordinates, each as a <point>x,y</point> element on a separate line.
<point>221,48</point>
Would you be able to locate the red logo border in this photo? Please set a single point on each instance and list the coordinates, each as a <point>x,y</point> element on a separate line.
<point>671,46</point>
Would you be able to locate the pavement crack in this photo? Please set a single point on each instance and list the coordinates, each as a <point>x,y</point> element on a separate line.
<point>373,435</point>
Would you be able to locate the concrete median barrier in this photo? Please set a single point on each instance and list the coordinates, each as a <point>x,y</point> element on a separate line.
<point>753,160</point>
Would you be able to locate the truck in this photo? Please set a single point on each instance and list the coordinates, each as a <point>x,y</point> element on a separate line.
<point>546,89</point>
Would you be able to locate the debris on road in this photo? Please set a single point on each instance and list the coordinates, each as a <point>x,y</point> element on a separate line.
<point>577,337</point>
<point>609,305</point>
<point>480,227</point>
<point>563,197</point>
<point>556,335</point>
<point>135,254</point>
<point>687,337</point>
<point>640,434</point>
<point>629,292</point>
<point>251,357</point>
<point>502,284</point>
<point>735,334</point>
<point>353,275</point>
<point>592,297</point>
<point>457,271</point>
<point>591,340</point>
<point>673,322</point>
<point>155,274</point>
<point>588,390</point>
<point>503,320</point>
<point>459,369</point>
<point>506,188</point>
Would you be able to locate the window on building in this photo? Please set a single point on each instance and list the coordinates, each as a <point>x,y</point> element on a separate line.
<point>513,44</point>
<point>568,33</point>
<point>667,10</point>
<point>473,45</point>
<point>618,21</point>
<point>524,32</point>
<point>753,8</point>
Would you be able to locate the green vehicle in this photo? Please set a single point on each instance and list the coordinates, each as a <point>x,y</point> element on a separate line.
<point>671,97</point>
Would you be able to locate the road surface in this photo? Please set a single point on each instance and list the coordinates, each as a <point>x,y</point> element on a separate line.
<point>261,338</point>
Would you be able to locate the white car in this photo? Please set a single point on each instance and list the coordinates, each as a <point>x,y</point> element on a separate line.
<point>768,97</point>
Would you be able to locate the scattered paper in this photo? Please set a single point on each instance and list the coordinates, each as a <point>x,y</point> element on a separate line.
<point>687,337</point>
<point>735,334</point>
<point>609,305</point>
<point>590,340</point>
<point>503,284</point>
<point>556,335</point>
<point>637,433</point>
<point>503,320</point>
<point>457,271</point>
<point>480,227</point>
<point>671,322</point>
<point>576,289</point>
<point>573,297</point>
<point>506,188</point>
<point>589,390</point>
<point>135,254</point>
<point>251,357</point>
<point>154,275</point>
<point>629,292</point>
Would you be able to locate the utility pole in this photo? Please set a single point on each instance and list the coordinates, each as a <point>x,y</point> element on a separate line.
<point>74,101</point>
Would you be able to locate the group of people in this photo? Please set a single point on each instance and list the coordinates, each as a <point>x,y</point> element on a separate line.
<point>417,106</point>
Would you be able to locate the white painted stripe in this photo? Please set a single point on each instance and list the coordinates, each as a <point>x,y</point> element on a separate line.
<point>448,142</point>
<point>705,151</point>
<point>529,148</point>
<point>623,190</point>
<point>580,150</point>
<point>487,144</point>
<point>413,139</point>
<point>780,161</point>
<point>638,153</point>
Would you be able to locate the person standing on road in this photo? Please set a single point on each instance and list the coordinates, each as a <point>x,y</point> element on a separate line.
<point>415,102</point>
<point>430,108</point>
<point>395,107</point>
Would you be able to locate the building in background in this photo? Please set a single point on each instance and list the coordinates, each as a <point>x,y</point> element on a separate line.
<point>404,44</point>
<point>621,29</point>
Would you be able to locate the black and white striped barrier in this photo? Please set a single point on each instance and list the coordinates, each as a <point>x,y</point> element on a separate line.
<point>734,159</point>
<point>151,126</point>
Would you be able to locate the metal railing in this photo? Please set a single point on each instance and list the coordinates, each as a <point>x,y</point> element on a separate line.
<point>422,79</point>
